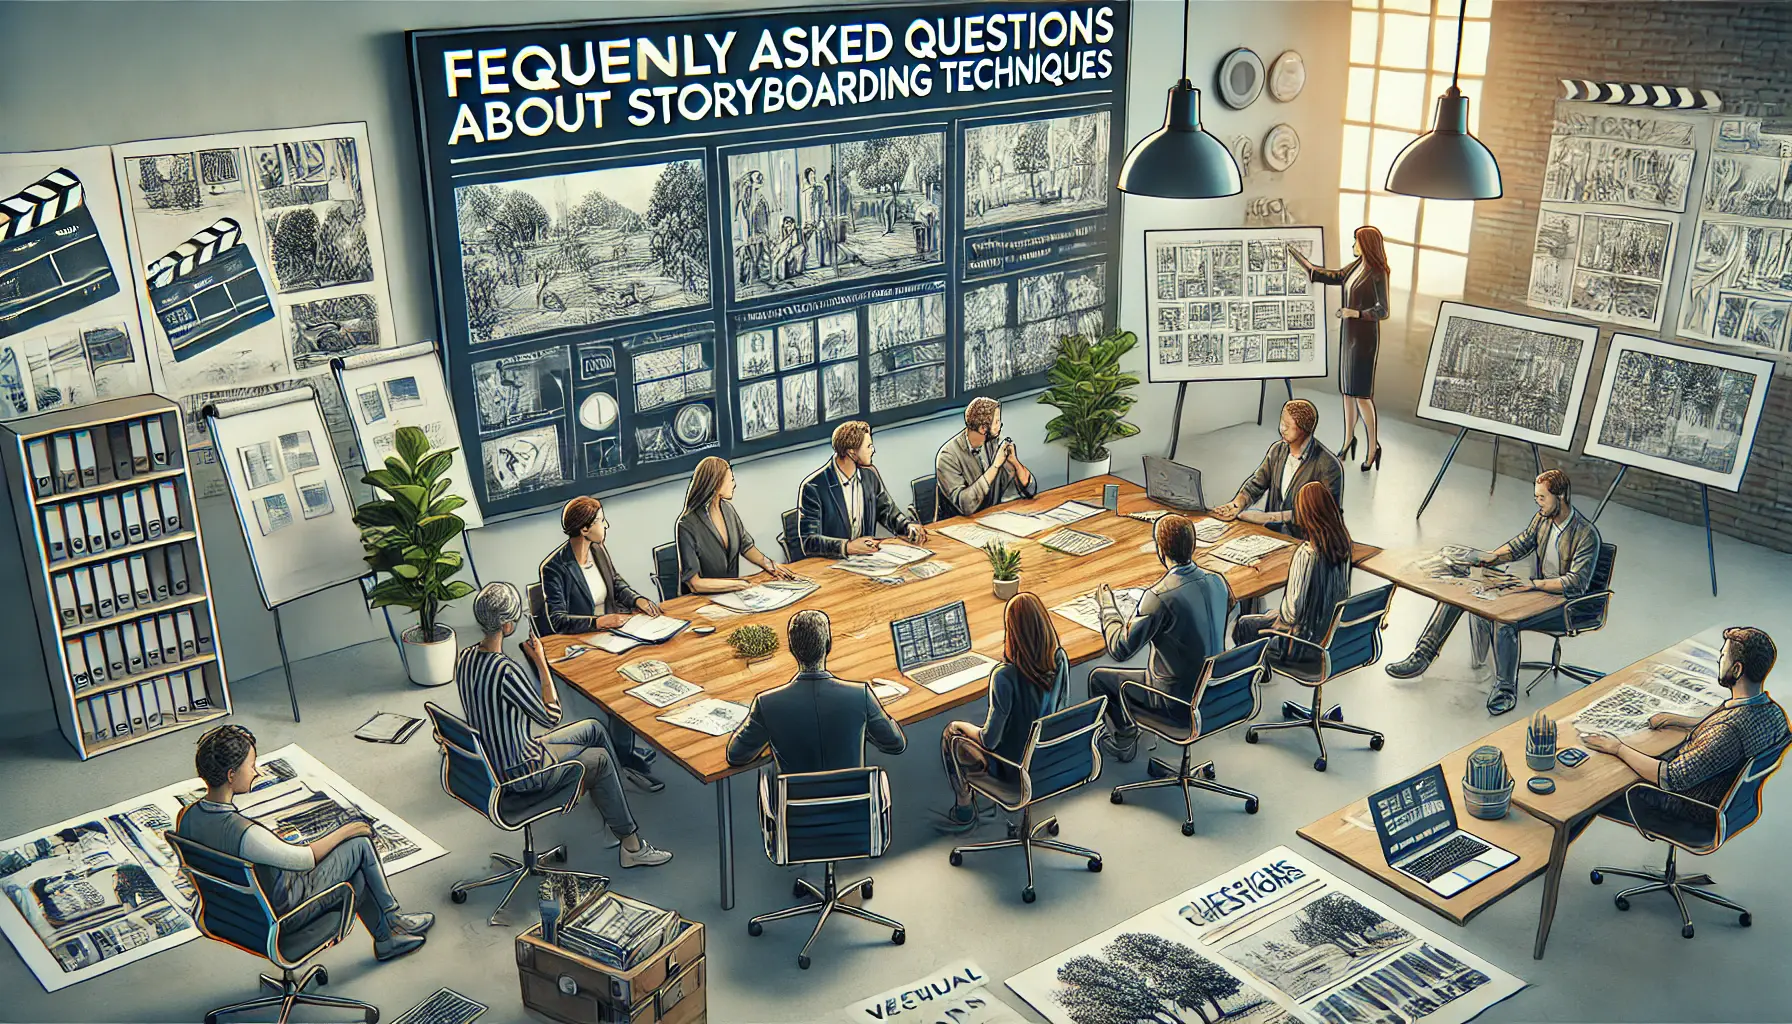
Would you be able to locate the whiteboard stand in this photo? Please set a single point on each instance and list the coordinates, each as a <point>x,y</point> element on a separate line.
<point>1176,417</point>
<point>1263,392</point>
<point>1462,432</point>
<point>1704,505</point>
<point>466,541</point>
<point>292,693</point>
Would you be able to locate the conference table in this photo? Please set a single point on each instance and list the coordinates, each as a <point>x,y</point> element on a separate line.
<point>861,609</point>
<point>1541,835</point>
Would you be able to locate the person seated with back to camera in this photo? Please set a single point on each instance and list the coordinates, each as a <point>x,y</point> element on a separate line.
<point>1182,617</point>
<point>1318,578</point>
<point>975,470</point>
<point>1032,681</point>
<point>711,537</point>
<point>292,873</point>
<point>501,704</point>
<point>576,581</point>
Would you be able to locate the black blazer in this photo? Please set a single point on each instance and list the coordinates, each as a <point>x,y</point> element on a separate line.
<point>822,524</point>
<point>1320,465</point>
<point>817,722</point>
<point>568,599</point>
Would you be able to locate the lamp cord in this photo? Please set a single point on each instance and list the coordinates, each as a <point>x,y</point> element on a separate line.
<point>1461,13</point>
<point>1187,3</point>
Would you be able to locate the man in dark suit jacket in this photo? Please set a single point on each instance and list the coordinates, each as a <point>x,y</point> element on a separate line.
<point>844,502</point>
<point>817,722</point>
<point>571,579</point>
<point>1290,464</point>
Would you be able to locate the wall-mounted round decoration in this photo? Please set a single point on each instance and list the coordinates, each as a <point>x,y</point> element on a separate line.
<point>1245,152</point>
<point>598,411</point>
<point>1287,76</point>
<point>1281,147</point>
<point>1241,78</point>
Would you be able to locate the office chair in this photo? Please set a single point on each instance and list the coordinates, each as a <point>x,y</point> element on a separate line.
<point>234,909</point>
<point>788,539</point>
<point>468,776</point>
<point>1741,808</point>
<point>1225,697</point>
<point>666,571</point>
<point>1351,642</point>
<point>1060,756</point>
<point>823,818</point>
<point>538,609</point>
<point>926,492</point>
<point>1582,614</point>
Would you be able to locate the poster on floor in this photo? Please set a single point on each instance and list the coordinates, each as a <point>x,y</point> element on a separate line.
<point>1739,286</point>
<point>1507,374</point>
<point>101,890</point>
<point>69,327</point>
<point>1273,940</point>
<point>957,993</point>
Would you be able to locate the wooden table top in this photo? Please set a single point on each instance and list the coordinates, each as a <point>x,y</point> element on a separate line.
<point>1397,566</point>
<point>861,611</point>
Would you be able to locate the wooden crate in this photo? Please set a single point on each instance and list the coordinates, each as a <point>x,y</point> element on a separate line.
<point>666,988</point>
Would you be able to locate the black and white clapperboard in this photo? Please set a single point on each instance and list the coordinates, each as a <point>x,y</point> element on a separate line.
<point>52,261</point>
<point>208,289</point>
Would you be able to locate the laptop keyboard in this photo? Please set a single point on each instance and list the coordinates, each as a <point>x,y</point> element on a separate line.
<point>1451,855</point>
<point>940,670</point>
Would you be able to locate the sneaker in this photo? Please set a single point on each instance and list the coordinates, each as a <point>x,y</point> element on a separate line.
<point>647,856</point>
<point>411,924</point>
<point>1412,666</point>
<point>395,945</point>
<point>955,820</point>
<point>643,781</point>
<point>1502,700</point>
<point>1120,748</point>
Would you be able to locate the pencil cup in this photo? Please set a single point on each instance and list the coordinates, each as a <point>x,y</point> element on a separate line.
<point>1540,743</point>
<point>1487,786</point>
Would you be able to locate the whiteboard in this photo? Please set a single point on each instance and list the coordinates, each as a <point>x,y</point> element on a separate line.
<point>294,508</point>
<point>1507,373</point>
<point>404,388</point>
<point>1231,304</point>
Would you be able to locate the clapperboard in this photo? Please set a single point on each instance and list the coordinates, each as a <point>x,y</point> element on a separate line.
<point>52,261</point>
<point>208,289</point>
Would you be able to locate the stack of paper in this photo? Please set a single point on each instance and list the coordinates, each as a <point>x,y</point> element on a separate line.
<point>1076,542</point>
<point>1086,612</point>
<point>664,692</point>
<point>619,932</point>
<point>1209,531</point>
<point>768,596</point>
<point>711,716</point>
<point>1247,550</point>
<point>388,727</point>
<point>1017,524</point>
<point>974,535</point>
<point>928,570</point>
<point>888,558</point>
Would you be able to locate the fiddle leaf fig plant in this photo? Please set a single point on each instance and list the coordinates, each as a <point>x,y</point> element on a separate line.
<point>406,531</point>
<point>1091,394</point>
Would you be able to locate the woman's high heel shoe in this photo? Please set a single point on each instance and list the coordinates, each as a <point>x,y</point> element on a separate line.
<point>1373,461</point>
<point>1350,449</point>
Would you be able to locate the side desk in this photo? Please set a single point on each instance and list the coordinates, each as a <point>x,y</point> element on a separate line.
<point>1397,567</point>
<point>861,611</point>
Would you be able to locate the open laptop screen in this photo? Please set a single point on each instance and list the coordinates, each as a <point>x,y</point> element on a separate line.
<point>1412,813</point>
<point>1173,484</point>
<point>931,636</point>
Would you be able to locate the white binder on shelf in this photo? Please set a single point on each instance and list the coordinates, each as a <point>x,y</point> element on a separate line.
<point>54,538</point>
<point>132,510</point>
<point>152,513</point>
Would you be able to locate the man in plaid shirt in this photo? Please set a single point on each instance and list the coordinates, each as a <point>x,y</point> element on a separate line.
<point>1704,765</point>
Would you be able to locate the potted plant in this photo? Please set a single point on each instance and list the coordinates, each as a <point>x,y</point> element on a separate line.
<point>1004,568</point>
<point>1091,394</point>
<point>404,534</point>
<point>754,643</point>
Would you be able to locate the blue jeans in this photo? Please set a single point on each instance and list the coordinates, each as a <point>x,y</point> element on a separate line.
<point>587,742</point>
<point>1485,635</point>
<point>355,862</point>
<point>622,739</point>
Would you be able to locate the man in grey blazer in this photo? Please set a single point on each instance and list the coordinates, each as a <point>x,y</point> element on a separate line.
<point>817,722</point>
<point>1287,466</point>
<point>975,469</point>
<point>1563,546</point>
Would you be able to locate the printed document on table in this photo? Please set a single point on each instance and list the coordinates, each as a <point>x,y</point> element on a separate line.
<point>766,597</point>
<point>1070,512</point>
<point>711,716</point>
<point>1076,542</point>
<point>664,691</point>
<point>1209,531</point>
<point>1249,549</point>
<point>1085,612</point>
<point>974,535</point>
<point>1018,524</point>
<point>652,629</point>
<point>887,559</point>
<point>610,643</point>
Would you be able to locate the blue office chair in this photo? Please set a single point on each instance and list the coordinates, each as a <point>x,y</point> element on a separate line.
<point>1351,642</point>
<point>788,538</point>
<point>538,609</point>
<point>823,818</point>
<point>1226,696</point>
<point>666,572</point>
<point>1583,614</point>
<point>1060,756</point>
<point>1741,808</point>
<point>234,909</point>
<point>468,776</point>
<point>926,491</point>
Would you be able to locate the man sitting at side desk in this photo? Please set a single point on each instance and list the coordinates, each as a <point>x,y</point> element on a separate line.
<point>844,502</point>
<point>975,469</point>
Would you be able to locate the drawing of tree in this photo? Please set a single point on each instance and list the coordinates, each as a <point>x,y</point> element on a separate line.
<point>1031,153</point>
<point>482,281</point>
<point>679,238</point>
<point>925,160</point>
<point>880,165</point>
<point>1103,992</point>
<point>1339,921</point>
<point>1176,972</point>
<point>520,218</point>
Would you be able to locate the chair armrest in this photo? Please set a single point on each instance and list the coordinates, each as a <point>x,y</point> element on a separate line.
<point>1680,803</point>
<point>1154,693</point>
<point>577,768</point>
<point>340,891</point>
<point>1569,607</point>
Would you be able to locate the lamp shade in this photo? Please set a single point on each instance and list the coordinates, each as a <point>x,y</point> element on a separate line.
<point>1180,160</point>
<point>1447,162</point>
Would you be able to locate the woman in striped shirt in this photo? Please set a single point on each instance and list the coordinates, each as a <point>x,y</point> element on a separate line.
<point>1318,575</point>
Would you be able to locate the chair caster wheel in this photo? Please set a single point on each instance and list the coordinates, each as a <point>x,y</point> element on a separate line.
<point>1621,903</point>
<point>457,896</point>
<point>1595,877</point>
<point>898,937</point>
<point>1188,828</point>
<point>1746,919</point>
<point>1209,773</point>
<point>802,961</point>
<point>796,889</point>
<point>865,891</point>
<point>557,857</point>
<point>1116,797</point>
<point>1288,714</point>
<point>1250,806</point>
<point>1052,828</point>
<point>1027,895</point>
<point>323,976</point>
<point>1686,932</point>
<point>1095,864</point>
<point>1013,830</point>
<point>1336,714</point>
<point>372,1016</point>
<point>1377,741</point>
<point>956,859</point>
<point>1319,764</point>
<point>1250,737</point>
<point>755,929</point>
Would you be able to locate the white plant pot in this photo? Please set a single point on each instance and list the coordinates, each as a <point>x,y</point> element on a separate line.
<point>1005,589</point>
<point>1080,470</point>
<point>429,662</point>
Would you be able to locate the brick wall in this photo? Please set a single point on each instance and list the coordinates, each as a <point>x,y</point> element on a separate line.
<point>1739,50</point>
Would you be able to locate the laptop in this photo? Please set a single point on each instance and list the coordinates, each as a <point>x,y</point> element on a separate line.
<point>1416,822</point>
<point>1173,484</point>
<point>934,649</point>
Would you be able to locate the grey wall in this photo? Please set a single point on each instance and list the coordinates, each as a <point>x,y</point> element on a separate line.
<point>79,74</point>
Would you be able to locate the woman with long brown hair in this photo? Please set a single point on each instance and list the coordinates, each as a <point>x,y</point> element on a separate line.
<point>1365,284</point>
<point>1031,682</point>
<point>1318,575</point>
<point>711,538</point>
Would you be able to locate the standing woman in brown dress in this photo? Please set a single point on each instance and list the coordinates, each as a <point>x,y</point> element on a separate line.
<point>1365,283</point>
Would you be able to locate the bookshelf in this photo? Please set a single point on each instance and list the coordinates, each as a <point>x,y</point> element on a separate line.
<point>103,504</point>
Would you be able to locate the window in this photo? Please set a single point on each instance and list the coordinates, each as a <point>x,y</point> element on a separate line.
<point>1401,52</point>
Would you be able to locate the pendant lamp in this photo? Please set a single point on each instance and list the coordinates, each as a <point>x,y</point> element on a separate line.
<point>1180,160</point>
<point>1447,162</point>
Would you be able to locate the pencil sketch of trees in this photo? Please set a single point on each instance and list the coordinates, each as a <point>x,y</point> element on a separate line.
<point>309,192</point>
<point>1145,977</point>
<point>1026,169</point>
<point>1682,410</point>
<point>577,250</point>
<point>1601,266</point>
<point>1506,374</point>
<point>1411,986</point>
<point>1318,945</point>
<point>1640,162</point>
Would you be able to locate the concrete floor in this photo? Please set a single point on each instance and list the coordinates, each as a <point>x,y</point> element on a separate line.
<point>1600,966</point>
